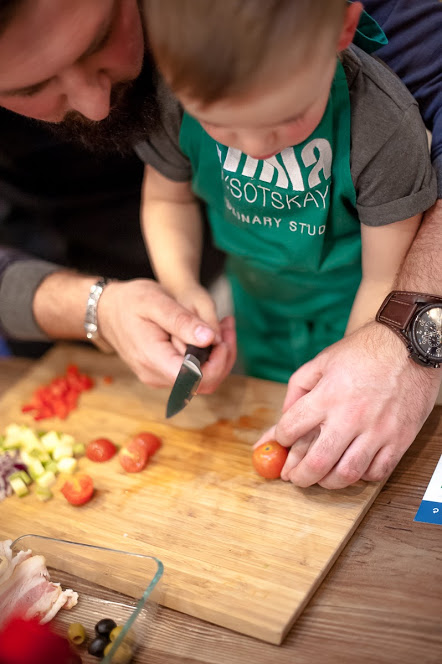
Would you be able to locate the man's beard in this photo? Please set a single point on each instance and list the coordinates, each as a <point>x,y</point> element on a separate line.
<point>134,113</point>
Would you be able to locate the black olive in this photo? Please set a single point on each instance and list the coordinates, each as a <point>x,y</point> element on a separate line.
<point>97,646</point>
<point>104,627</point>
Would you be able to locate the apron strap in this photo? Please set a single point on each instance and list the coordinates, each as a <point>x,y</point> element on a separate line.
<point>369,34</point>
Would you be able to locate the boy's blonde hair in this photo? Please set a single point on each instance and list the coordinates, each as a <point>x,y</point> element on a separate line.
<point>216,49</point>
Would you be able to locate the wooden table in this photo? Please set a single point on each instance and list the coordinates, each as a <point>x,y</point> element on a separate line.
<point>381,602</point>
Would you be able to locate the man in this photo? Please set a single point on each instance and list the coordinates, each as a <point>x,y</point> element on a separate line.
<point>71,206</point>
<point>63,63</point>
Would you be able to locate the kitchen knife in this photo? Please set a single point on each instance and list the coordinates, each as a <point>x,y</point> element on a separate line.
<point>188,379</point>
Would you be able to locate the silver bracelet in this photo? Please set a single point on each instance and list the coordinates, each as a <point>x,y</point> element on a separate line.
<point>90,318</point>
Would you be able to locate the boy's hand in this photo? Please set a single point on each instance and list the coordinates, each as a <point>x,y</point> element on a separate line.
<point>197,299</point>
<point>222,357</point>
<point>353,411</point>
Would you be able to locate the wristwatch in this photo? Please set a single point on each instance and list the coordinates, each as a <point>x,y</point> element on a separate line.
<point>417,319</point>
<point>90,319</point>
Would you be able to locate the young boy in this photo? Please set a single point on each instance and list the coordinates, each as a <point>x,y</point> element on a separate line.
<point>314,167</point>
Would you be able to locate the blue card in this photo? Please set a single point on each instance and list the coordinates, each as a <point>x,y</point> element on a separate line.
<point>430,509</point>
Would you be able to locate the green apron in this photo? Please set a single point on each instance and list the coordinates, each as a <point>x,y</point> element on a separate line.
<point>290,228</point>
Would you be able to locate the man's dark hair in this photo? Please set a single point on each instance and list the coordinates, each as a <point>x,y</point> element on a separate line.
<point>8,8</point>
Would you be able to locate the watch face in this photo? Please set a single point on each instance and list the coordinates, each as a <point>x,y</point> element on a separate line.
<point>427,332</point>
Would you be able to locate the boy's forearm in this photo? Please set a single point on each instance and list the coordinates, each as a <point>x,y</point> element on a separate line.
<point>368,299</point>
<point>384,250</point>
<point>173,234</point>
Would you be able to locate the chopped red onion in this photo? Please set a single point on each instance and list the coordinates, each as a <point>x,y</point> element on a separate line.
<point>10,462</point>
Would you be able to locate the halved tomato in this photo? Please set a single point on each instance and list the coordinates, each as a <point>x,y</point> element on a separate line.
<point>78,489</point>
<point>100,449</point>
<point>269,459</point>
<point>148,441</point>
<point>133,456</point>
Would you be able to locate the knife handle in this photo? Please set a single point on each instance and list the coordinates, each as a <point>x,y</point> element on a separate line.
<point>201,354</point>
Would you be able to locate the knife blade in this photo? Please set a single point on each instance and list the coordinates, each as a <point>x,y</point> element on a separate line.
<point>188,379</point>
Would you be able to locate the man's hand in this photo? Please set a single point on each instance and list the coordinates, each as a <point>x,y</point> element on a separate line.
<point>352,412</point>
<point>138,318</point>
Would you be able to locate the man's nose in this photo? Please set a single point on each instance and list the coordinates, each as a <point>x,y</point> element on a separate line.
<point>87,92</point>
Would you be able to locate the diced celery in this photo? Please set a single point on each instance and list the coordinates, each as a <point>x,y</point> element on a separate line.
<point>67,439</point>
<point>25,457</point>
<point>28,439</point>
<point>43,493</point>
<point>13,431</point>
<point>46,480</point>
<point>40,454</point>
<point>21,474</point>
<point>67,465</point>
<point>11,444</point>
<point>62,450</point>
<point>20,436</point>
<point>35,468</point>
<point>25,477</point>
<point>50,440</point>
<point>79,449</point>
<point>51,466</point>
<point>18,486</point>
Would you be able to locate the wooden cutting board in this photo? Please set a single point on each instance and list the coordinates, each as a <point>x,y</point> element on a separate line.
<point>239,551</point>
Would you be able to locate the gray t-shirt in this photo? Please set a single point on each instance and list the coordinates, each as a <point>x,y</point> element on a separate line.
<point>390,160</point>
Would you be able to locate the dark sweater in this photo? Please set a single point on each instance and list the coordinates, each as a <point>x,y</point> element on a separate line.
<point>414,52</point>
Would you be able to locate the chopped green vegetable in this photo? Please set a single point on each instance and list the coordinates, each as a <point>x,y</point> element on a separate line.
<point>35,468</point>
<point>46,480</point>
<point>43,494</point>
<point>18,486</point>
<point>23,475</point>
<point>79,449</point>
<point>44,453</point>
<point>67,465</point>
<point>67,439</point>
<point>61,451</point>
<point>11,444</point>
<point>52,466</point>
<point>39,453</point>
<point>50,440</point>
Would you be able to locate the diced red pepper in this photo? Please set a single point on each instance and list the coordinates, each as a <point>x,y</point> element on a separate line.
<point>60,396</point>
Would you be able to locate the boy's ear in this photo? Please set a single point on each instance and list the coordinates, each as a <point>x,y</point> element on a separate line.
<point>351,20</point>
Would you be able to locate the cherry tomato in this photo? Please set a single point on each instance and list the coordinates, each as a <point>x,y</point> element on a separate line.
<point>28,642</point>
<point>269,458</point>
<point>100,449</point>
<point>133,456</point>
<point>78,489</point>
<point>148,441</point>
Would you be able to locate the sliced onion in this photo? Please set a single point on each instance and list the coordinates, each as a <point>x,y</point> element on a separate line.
<point>10,462</point>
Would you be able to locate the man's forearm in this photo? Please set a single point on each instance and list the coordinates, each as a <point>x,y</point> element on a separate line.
<point>60,303</point>
<point>422,268</point>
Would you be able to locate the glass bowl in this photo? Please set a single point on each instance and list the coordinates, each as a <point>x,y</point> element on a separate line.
<point>110,584</point>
